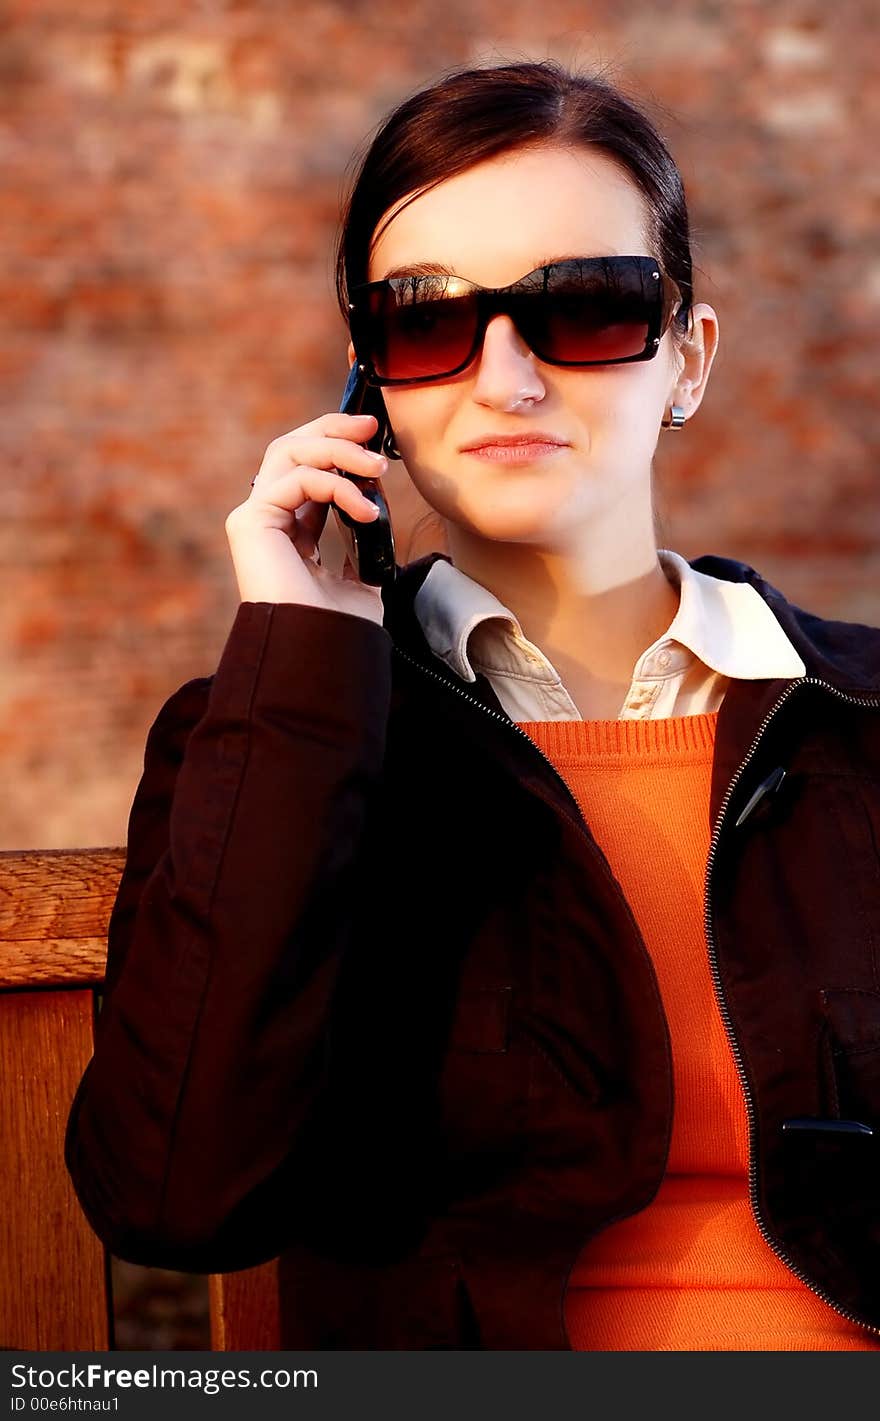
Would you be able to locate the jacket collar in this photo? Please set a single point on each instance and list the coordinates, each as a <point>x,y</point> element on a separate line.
<point>845,654</point>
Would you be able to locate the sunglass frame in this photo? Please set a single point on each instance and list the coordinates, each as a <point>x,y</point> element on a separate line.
<point>492,300</point>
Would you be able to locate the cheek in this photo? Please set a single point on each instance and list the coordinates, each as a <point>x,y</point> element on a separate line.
<point>628,413</point>
<point>420,419</point>
<point>417,415</point>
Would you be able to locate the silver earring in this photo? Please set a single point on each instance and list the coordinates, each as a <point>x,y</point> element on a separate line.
<point>389,448</point>
<point>676,417</point>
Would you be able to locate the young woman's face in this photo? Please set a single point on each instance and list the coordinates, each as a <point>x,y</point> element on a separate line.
<point>492,224</point>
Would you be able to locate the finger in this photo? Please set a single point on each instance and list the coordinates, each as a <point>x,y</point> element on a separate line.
<point>286,493</point>
<point>324,453</point>
<point>344,426</point>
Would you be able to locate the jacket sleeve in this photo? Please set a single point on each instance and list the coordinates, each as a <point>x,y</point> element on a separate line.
<point>187,1140</point>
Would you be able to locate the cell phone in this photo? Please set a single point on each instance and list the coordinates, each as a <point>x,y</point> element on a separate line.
<point>370,546</point>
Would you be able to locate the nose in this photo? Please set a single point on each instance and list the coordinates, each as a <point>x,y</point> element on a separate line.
<point>506,370</point>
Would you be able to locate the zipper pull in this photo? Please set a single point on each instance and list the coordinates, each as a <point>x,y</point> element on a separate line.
<point>814,1124</point>
<point>768,786</point>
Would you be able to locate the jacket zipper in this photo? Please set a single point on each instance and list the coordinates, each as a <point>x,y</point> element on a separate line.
<point>710,935</point>
<point>722,1002</point>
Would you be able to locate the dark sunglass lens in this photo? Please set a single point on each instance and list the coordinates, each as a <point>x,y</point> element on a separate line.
<point>596,314</point>
<point>417,333</point>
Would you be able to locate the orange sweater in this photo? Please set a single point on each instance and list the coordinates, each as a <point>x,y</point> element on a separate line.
<point>691,1272</point>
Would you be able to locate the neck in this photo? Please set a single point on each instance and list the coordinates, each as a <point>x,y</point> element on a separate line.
<point>591,614</point>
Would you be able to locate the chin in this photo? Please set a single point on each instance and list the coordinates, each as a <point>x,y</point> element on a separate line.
<point>540,514</point>
<point>511,528</point>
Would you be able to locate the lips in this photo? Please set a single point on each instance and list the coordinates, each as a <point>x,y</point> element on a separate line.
<point>511,441</point>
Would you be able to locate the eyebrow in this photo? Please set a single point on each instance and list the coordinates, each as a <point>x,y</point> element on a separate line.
<point>419,269</point>
<point>439,269</point>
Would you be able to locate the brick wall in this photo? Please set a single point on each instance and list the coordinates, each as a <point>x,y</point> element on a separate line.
<point>170,186</point>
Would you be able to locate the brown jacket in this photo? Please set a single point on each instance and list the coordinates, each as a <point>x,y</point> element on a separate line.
<point>426,1102</point>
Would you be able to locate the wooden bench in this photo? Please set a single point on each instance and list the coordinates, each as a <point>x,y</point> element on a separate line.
<point>55,1276</point>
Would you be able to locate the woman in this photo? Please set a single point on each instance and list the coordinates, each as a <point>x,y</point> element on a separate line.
<point>500,948</point>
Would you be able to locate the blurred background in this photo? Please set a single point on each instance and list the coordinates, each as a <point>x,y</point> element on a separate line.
<point>171,179</point>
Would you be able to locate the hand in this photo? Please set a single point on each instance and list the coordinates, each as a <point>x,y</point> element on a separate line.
<point>274,534</point>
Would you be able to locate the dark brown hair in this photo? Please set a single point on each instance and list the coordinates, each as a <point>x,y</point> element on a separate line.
<point>473,114</point>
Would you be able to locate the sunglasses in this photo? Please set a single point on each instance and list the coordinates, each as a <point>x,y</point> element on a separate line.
<point>580,312</point>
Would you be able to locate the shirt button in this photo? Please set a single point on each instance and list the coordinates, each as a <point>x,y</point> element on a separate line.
<point>639,698</point>
<point>663,658</point>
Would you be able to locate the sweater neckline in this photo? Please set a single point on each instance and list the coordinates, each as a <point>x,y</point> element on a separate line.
<point>661,738</point>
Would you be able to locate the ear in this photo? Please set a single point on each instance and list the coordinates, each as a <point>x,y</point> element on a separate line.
<point>695,358</point>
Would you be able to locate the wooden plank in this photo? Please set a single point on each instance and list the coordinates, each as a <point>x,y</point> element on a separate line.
<point>54,963</point>
<point>244,1310</point>
<point>53,1282</point>
<point>62,893</point>
<point>55,905</point>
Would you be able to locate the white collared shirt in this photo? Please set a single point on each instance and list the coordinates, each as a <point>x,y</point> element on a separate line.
<point>721,631</point>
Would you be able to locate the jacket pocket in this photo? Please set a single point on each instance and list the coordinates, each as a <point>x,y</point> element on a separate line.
<point>830,1184</point>
<point>481,1087</point>
<point>851,1054</point>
